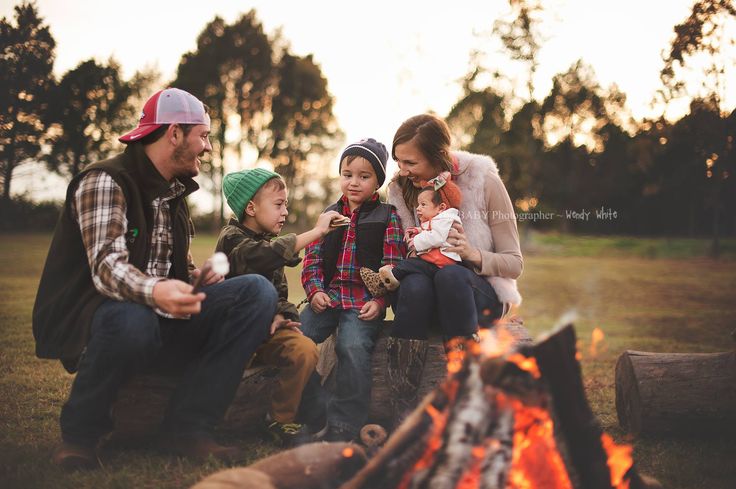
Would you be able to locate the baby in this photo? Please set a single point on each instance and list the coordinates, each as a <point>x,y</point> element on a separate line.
<point>437,212</point>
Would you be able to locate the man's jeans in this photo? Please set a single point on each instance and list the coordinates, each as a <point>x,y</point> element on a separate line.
<point>456,299</point>
<point>215,346</point>
<point>348,408</point>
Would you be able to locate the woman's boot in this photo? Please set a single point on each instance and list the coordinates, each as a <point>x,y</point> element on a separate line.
<point>405,366</point>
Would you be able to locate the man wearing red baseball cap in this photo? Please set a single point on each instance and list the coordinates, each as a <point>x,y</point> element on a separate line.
<point>116,297</point>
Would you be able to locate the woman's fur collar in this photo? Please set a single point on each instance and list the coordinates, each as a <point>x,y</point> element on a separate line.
<point>473,170</point>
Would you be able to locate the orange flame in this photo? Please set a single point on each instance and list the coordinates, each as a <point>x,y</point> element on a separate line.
<point>528,364</point>
<point>348,452</point>
<point>439,420</point>
<point>471,477</point>
<point>596,338</point>
<point>536,462</point>
<point>495,345</point>
<point>619,461</point>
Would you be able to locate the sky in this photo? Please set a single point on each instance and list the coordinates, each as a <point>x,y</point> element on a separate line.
<point>384,60</point>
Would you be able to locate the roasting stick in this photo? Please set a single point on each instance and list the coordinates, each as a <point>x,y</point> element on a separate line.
<point>217,263</point>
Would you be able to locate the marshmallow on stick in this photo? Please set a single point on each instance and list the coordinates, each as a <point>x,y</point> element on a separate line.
<point>217,263</point>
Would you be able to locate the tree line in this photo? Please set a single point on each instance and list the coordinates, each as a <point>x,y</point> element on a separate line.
<point>277,103</point>
<point>579,148</point>
<point>576,148</point>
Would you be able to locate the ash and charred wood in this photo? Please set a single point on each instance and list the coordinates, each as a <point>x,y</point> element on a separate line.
<point>582,433</point>
<point>497,460</point>
<point>467,426</point>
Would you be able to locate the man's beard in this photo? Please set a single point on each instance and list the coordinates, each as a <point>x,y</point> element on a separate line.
<point>185,161</point>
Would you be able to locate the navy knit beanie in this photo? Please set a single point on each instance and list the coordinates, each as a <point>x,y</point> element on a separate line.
<point>373,151</point>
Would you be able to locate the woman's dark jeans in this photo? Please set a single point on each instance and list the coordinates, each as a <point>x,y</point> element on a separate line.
<point>456,300</point>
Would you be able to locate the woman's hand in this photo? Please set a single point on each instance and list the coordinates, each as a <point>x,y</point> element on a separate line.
<point>459,244</point>
<point>369,311</point>
<point>319,302</point>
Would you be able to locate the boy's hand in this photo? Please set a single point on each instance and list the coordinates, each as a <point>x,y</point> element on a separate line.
<point>175,297</point>
<point>319,302</point>
<point>369,311</point>
<point>410,233</point>
<point>280,322</point>
<point>324,220</point>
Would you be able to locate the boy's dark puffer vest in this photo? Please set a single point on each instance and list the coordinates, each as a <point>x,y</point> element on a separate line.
<point>67,298</point>
<point>371,226</point>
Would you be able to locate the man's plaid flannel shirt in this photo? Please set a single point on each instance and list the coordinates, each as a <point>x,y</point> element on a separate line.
<point>99,207</point>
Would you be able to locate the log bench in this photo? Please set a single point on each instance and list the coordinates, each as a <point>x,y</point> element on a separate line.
<point>141,402</point>
<point>677,393</point>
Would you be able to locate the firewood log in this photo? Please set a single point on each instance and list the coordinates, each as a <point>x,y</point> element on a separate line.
<point>313,466</point>
<point>141,403</point>
<point>676,392</point>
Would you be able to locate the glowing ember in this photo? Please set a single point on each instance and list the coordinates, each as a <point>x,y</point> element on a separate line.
<point>619,461</point>
<point>348,452</point>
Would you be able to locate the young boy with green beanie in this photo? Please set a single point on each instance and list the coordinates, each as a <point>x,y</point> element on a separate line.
<point>259,198</point>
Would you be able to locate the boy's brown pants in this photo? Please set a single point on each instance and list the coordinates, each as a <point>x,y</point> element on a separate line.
<point>296,357</point>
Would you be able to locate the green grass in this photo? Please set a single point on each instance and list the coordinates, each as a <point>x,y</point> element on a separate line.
<point>664,304</point>
<point>556,244</point>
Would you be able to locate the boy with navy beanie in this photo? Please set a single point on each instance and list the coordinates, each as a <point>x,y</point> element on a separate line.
<point>338,298</point>
<point>259,198</point>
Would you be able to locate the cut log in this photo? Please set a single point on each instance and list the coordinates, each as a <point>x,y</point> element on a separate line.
<point>313,466</point>
<point>676,392</point>
<point>142,401</point>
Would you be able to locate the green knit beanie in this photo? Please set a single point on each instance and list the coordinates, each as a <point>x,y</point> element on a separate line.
<point>240,187</point>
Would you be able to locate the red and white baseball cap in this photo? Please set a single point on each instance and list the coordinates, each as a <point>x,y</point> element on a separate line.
<point>169,106</point>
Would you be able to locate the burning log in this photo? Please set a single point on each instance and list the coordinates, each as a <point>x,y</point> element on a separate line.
<point>314,466</point>
<point>504,419</point>
<point>676,392</point>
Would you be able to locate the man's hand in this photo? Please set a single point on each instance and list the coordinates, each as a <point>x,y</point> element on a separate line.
<point>280,322</point>
<point>209,279</point>
<point>369,311</point>
<point>175,297</point>
<point>319,302</point>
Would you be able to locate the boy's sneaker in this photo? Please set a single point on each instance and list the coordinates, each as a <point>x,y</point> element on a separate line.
<point>372,282</point>
<point>287,434</point>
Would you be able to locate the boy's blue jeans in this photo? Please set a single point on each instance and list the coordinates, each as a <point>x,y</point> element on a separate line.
<point>348,407</point>
<point>215,346</point>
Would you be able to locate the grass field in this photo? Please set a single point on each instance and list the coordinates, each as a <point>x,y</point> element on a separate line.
<point>654,295</point>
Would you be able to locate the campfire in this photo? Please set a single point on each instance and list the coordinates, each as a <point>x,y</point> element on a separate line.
<point>507,417</point>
